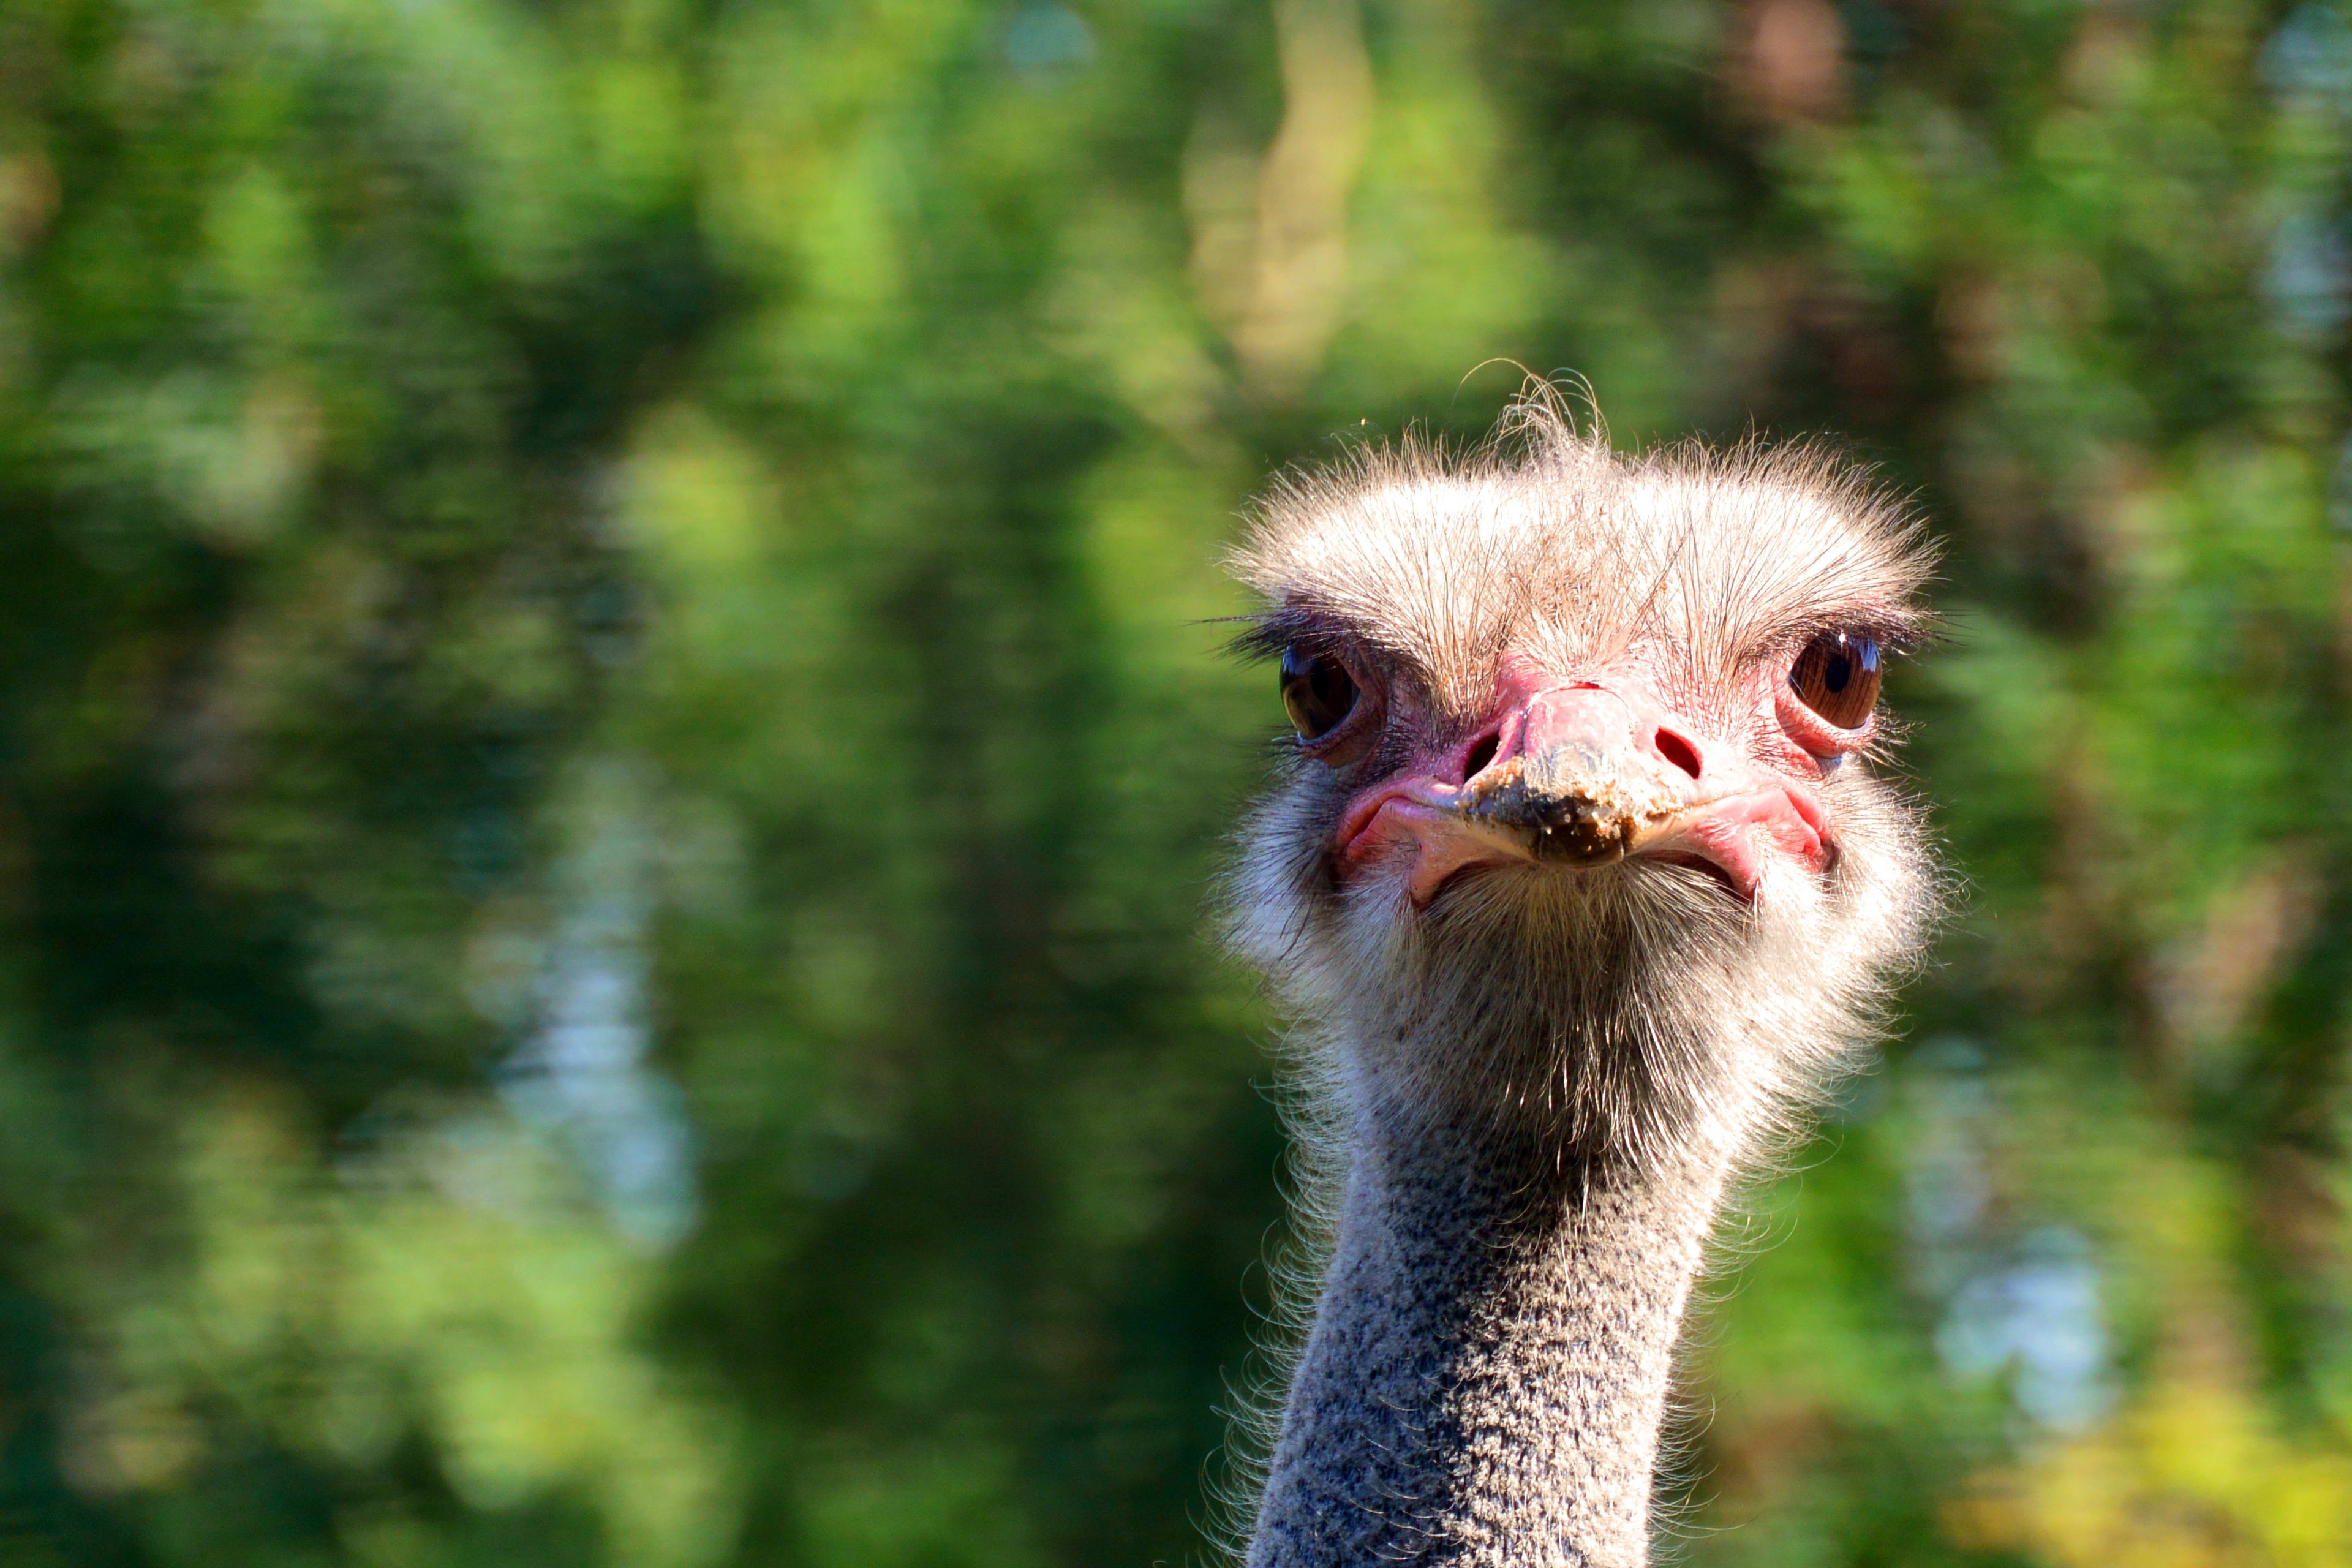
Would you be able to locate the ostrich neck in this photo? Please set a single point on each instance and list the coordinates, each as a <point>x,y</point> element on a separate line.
<point>1489,1362</point>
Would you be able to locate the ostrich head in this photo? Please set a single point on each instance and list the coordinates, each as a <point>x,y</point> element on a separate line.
<point>1580,877</point>
<point>1578,839</point>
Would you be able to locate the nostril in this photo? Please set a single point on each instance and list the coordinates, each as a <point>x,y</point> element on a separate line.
<point>1679,751</point>
<point>1481,754</point>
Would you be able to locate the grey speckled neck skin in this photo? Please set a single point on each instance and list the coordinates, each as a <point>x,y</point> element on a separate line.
<point>1489,1364</point>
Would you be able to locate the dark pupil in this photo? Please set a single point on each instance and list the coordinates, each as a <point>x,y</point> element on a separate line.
<point>1838,671</point>
<point>1330,684</point>
<point>1317,691</point>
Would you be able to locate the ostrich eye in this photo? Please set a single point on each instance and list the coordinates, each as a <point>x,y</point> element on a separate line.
<point>1837,677</point>
<point>1318,691</point>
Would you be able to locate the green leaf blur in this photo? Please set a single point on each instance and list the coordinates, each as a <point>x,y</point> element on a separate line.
<point>613,749</point>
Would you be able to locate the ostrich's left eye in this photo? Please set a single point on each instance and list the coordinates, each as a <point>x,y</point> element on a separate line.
<point>1318,691</point>
<point>1837,677</point>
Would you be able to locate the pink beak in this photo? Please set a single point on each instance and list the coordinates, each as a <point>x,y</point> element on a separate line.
<point>1578,774</point>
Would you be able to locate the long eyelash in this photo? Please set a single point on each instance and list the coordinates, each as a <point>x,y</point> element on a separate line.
<point>1897,637</point>
<point>1268,635</point>
<point>1259,642</point>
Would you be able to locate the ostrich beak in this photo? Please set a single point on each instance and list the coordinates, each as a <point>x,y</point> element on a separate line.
<point>1570,783</point>
<point>1580,775</point>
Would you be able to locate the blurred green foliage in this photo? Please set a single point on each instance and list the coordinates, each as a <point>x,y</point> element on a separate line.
<point>612,750</point>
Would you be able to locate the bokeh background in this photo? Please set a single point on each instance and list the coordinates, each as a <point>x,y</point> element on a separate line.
<point>613,747</point>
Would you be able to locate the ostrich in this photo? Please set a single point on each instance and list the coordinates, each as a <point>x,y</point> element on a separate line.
<point>1580,888</point>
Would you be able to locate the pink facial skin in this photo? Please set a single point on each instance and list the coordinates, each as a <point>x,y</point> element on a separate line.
<point>1661,784</point>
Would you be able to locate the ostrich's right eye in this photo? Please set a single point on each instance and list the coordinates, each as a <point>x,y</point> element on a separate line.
<point>1837,677</point>
<point>1318,691</point>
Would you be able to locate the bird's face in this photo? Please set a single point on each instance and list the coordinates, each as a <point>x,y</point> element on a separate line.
<point>1570,767</point>
<point>1576,759</point>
